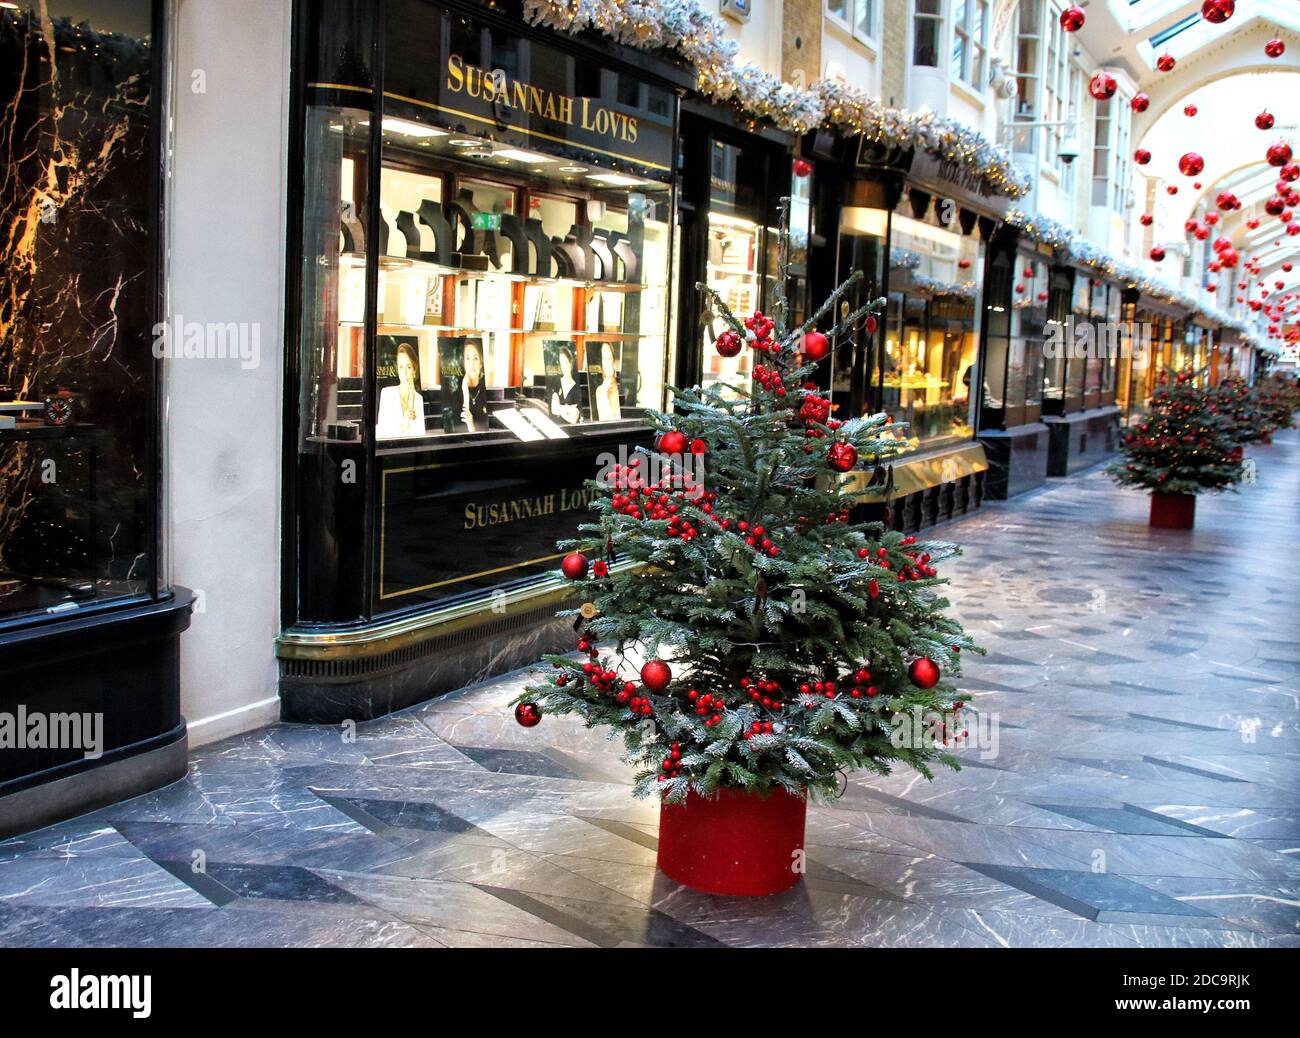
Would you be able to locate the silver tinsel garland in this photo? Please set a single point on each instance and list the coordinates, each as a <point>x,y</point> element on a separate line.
<point>683,27</point>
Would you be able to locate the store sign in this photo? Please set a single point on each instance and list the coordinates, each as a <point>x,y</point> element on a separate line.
<point>537,97</point>
<point>952,179</point>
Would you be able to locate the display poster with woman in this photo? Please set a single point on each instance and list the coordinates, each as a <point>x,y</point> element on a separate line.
<point>463,377</point>
<point>397,374</point>
<point>563,384</point>
<point>602,381</point>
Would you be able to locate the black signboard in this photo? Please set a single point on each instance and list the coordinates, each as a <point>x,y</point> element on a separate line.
<point>470,77</point>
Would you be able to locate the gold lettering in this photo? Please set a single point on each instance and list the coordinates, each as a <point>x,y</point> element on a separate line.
<point>631,131</point>
<point>455,73</point>
<point>566,110</point>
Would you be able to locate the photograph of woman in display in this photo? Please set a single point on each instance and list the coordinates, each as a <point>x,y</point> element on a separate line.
<point>563,389</point>
<point>602,379</point>
<point>401,407</point>
<point>464,383</point>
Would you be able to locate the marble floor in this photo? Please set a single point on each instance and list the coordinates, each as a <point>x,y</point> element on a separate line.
<point>1143,788</point>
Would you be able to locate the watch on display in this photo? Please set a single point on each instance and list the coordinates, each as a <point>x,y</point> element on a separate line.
<point>58,410</point>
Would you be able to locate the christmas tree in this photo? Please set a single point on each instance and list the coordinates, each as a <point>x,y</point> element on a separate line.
<point>1232,398</point>
<point>784,642</point>
<point>1273,400</point>
<point>1184,443</point>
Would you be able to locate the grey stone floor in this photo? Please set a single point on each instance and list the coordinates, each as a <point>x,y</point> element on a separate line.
<point>1144,792</point>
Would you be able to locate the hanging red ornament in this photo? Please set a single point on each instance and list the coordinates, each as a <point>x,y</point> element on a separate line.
<point>1142,156</point>
<point>1225,200</point>
<point>1202,233</point>
<point>1211,219</point>
<point>923,673</point>
<point>672,442</point>
<point>1189,110</point>
<point>1102,86</point>
<point>574,565</point>
<point>1190,227</point>
<point>728,344</point>
<point>1146,219</point>
<point>1196,184</point>
<point>1172,189</point>
<point>1222,243</point>
<point>1289,172</point>
<point>656,675</point>
<point>1278,154</point>
<point>963,264</point>
<point>1157,253</point>
<point>815,346</point>
<point>869,325</point>
<point>528,714</point>
<point>802,167</point>
<point>1165,63</point>
<point>1190,164</point>
<point>698,446</point>
<point>1274,205</point>
<point>1217,11</point>
<point>1286,268</point>
<point>1072,18</point>
<point>1264,120</point>
<point>1020,289</point>
<point>841,456</point>
<point>1274,48</point>
<point>1139,102</point>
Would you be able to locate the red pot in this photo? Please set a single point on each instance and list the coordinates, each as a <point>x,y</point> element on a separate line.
<point>1173,511</point>
<point>738,843</point>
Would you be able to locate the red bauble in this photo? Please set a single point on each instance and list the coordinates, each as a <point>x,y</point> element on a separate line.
<point>1289,172</point>
<point>728,344</point>
<point>1189,110</point>
<point>1172,189</point>
<point>574,565</point>
<point>1202,233</point>
<point>1222,243</point>
<point>528,714</point>
<point>1264,120</point>
<point>1142,156</point>
<point>1274,48</point>
<point>1217,11</point>
<point>963,264</point>
<point>698,446</point>
<point>1190,164</point>
<point>869,325</point>
<point>1190,227</point>
<point>841,456</point>
<point>815,345</point>
<point>1157,254</point>
<point>1139,102</point>
<point>1146,219</point>
<point>1278,154</point>
<point>1165,63</point>
<point>1072,19</point>
<point>1225,200</point>
<point>923,673</point>
<point>802,167</point>
<point>672,442</point>
<point>1274,205</point>
<point>1211,219</point>
<point>655,675</point>
<point>1102,86</point>
<point>1019,288</point>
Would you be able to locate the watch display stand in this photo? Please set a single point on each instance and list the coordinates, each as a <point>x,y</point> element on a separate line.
<point>600,248</point>
<point>512,229</point>
<point>623,249</point>
<point>581,236</point>
<point>432,216</point>
<point>541,247</point>
<point>354,234</point>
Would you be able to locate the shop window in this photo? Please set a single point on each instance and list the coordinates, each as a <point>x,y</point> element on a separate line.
<point>931,336</point>
<point>927,32</point>
<point>858,16</point>
<point>79,298</point>
<point>484,310</point>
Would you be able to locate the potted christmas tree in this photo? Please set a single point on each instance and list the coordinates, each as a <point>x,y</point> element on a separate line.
<point>762,643</point>
<point>1183,446</point>
<point>1273,403</point>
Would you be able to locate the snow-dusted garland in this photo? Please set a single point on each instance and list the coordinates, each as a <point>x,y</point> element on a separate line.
<point>699,38</point>
<point>1075,247</point>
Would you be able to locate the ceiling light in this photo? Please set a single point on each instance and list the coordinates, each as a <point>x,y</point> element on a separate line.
<point>463,142</point>
<point>519,155</point>
<point>410,129</point>
<point>615,179</point>
<point>573,169</point>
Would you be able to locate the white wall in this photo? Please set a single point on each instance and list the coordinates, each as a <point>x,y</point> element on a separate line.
<point>226,226</point>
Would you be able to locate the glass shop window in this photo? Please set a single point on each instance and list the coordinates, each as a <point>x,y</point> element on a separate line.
<point>79,209</point>
<point>931,338</point>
